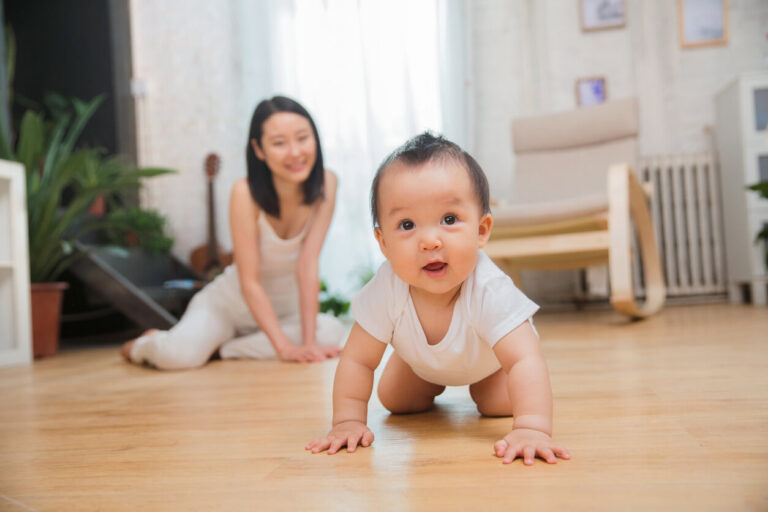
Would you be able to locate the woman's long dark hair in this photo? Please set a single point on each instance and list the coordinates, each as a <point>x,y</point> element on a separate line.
<point>260,177</point>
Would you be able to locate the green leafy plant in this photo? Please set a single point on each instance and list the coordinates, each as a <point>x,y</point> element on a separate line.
<point>54,165</point>
<point>332,303</point>
<point>337,303</point>
<point>136,227</point>
<point>762,189</point>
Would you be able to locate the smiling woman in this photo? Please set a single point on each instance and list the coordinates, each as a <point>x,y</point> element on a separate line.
<point>265,304</point>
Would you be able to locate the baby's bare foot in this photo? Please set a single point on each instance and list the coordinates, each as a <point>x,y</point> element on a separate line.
<point>125,350</point>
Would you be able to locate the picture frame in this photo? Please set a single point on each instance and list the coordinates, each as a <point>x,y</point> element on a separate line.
<point>703,23</point>
<point>591,91</point>
<point>601,14</point>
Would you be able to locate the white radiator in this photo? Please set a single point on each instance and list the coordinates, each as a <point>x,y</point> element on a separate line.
<point>685,207</point>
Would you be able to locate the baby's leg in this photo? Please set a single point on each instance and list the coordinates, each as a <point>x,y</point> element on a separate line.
<point>402,391</point>
<point>492,395</point>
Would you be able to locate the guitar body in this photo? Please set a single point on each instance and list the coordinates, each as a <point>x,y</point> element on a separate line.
<point>202,263</point>
<point>209,259</point>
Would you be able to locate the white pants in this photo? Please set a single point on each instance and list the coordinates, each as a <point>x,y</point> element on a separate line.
<point>218,319</point>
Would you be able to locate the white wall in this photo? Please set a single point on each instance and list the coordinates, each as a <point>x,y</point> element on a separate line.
<point>527,55</point>
<point>204,67</point>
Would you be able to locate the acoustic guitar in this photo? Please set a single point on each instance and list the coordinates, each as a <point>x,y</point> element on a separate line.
<point>210,259</point>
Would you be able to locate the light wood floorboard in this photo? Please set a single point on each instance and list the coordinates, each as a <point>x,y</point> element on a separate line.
<point>669,413</point>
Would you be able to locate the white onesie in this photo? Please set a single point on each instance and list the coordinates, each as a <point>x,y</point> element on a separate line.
<point>489,307</point>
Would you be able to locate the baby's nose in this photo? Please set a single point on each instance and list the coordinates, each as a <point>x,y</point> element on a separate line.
<point>431,244</point>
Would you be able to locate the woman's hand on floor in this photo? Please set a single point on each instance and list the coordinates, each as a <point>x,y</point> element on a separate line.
<point>305,353</point>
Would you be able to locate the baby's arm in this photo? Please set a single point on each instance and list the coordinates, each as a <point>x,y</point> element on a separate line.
<point>531,396</point>
<point>351,391</point>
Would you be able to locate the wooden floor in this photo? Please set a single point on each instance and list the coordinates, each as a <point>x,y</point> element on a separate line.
<point>666,414</point>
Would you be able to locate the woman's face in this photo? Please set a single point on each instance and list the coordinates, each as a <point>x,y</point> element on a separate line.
<point>288,147</point>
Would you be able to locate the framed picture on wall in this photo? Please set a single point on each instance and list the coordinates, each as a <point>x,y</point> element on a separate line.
<point>601,14</point>
<point>590,91</point>
<point>703,22</point>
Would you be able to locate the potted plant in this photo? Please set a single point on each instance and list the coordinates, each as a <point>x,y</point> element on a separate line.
<point>55,168</point>
<point>762,189</point>
<point>138,227</point>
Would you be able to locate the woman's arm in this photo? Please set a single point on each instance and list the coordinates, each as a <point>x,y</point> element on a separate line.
<point>243,222</point>
<point>307,273</point>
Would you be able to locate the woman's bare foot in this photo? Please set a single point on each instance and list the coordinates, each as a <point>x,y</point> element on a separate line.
<point>125,350</point>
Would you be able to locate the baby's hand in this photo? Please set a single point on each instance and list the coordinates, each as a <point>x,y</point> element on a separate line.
<point>349,433</point>
<point>527,444</point>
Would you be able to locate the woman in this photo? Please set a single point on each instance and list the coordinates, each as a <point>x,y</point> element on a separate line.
<point>266,302</point>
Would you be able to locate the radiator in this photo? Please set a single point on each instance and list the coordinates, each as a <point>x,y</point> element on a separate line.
<point>685,208</point>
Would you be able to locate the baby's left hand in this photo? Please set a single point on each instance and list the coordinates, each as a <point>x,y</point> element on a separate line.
<point>528,444</point>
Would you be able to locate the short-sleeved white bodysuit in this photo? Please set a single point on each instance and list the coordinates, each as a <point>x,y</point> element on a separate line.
<point>489,306</point>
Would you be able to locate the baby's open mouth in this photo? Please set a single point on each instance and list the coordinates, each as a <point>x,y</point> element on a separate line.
<point>435,266</point>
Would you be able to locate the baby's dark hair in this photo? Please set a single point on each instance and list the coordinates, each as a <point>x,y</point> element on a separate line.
<point>427,147</point>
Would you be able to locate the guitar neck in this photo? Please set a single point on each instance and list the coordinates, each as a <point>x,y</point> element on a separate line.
<point>213,246</point>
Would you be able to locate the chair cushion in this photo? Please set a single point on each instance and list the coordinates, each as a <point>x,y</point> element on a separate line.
<point>582,127</point>
<point>551,211</point>
<point>560,175</point>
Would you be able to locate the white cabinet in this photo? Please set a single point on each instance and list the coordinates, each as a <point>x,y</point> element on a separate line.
<point>15,327</point>
<point>742,143</point>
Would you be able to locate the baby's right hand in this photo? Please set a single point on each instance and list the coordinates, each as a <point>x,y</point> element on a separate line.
<point>349,433</point>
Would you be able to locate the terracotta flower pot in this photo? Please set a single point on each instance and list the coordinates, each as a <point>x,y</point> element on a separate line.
<point>98,207</point>
<point>46,314</point>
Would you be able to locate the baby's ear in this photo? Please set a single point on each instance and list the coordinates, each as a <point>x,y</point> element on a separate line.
<point>484,229</point>
<point>380,238</point>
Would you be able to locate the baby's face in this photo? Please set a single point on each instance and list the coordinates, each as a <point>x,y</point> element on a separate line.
<point>430,225</point>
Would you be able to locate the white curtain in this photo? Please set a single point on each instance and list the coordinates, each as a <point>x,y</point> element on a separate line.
<point>372,73</point>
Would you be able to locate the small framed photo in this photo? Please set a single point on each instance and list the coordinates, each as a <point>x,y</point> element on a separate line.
<point>703,22</point>
<point>601,14</point>
<point>590,91</point>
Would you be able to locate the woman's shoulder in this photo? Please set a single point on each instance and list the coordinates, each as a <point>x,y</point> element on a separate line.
<point>241,198</point>
<point>240,186</point>
<point>331,179</point>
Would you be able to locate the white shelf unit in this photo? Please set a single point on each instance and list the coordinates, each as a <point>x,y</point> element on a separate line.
<point>742,143</point>
<point>15,325</point>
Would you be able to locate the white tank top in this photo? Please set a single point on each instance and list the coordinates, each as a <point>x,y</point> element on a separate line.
<point>277,275</point>
<point>277,266</point>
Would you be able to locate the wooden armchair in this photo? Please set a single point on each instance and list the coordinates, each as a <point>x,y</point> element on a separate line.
<point>575,199</point>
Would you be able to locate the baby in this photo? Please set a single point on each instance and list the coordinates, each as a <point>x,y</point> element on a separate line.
<point>451,315</point>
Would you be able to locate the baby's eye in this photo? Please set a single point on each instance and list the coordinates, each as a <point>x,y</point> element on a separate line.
<point>406,225</point>
<point>449,219</point>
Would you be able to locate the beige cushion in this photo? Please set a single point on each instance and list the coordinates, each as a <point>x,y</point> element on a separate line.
<point>566,156</point>
<point>582,127</point>
<point>570,173</point>
<point>550,211</point>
